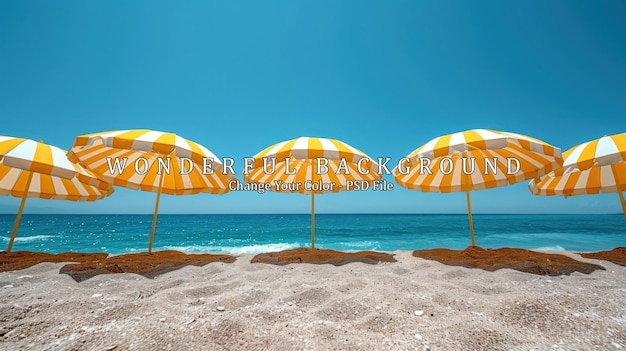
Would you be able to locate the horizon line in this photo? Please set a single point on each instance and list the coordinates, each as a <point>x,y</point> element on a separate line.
<point>305,213</point>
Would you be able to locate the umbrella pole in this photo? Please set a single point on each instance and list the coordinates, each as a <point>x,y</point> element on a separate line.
<point>621,200</point>
<point>469,214</point>
<point>619,190</point>
<point>312,220</point>
<point>19,212</point>
<point>156,211</point>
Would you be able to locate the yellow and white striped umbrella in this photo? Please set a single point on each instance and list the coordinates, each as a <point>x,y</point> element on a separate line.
<point>300,156</point>
<point>476,159</point>
<point>596,153</point>
<point>294,165</point>
<point>34,169</point>
<point>154,161</point>
<point>142,149</point>
<point>589,168</point>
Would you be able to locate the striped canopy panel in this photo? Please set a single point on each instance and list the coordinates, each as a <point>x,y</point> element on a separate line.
<point>93,150</point>
<point>302,154</point>
<point>53,175</point>
<point>448,152</point>
<point>589,168</point>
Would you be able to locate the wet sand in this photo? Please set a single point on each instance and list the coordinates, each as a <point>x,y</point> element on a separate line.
<point>617,255</point>
<point>316,256</point>
<point>528,261</point>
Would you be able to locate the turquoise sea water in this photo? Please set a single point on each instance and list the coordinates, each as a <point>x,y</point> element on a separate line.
<point>237,234</point>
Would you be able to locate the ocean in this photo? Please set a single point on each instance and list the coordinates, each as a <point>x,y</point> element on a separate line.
<point>244,233</point>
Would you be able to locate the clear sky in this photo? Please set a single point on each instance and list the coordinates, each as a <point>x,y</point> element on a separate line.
<point>383,76</point>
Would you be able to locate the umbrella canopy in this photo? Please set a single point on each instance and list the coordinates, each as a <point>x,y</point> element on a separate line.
<point>153,161</point>
<point>308,165</point>
<point>589,168</point>
<point>473,160</point>
<point>34,169</point>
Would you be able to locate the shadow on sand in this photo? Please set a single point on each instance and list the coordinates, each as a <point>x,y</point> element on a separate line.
<point>522,260</point>
<point>322,256</point>
<point>617,255</point>
<point>90,265</point>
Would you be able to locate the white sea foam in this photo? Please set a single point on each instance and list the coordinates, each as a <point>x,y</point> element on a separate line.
<point>550,248</point>
<point>234,250</point>
<point>28,239</point>
<point>360,244</point>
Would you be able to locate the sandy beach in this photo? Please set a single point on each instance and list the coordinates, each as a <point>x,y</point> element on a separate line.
<point>411,304</point>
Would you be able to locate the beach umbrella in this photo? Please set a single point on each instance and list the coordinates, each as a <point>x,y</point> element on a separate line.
<point>34,169</point>
<point>589,168</point>
<point>473,160</point>
<point>153,161</point>
<point>308,165</point>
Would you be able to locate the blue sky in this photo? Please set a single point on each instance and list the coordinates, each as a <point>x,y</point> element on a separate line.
<point>383,76</point>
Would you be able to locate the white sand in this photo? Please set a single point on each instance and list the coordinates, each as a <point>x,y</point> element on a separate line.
<point>315,307</point>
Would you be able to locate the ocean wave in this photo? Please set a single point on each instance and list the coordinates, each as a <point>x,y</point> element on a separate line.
<point>28,239</point>
<point>359,245</point>
<point>550,248</point>
<point>234,250</point>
